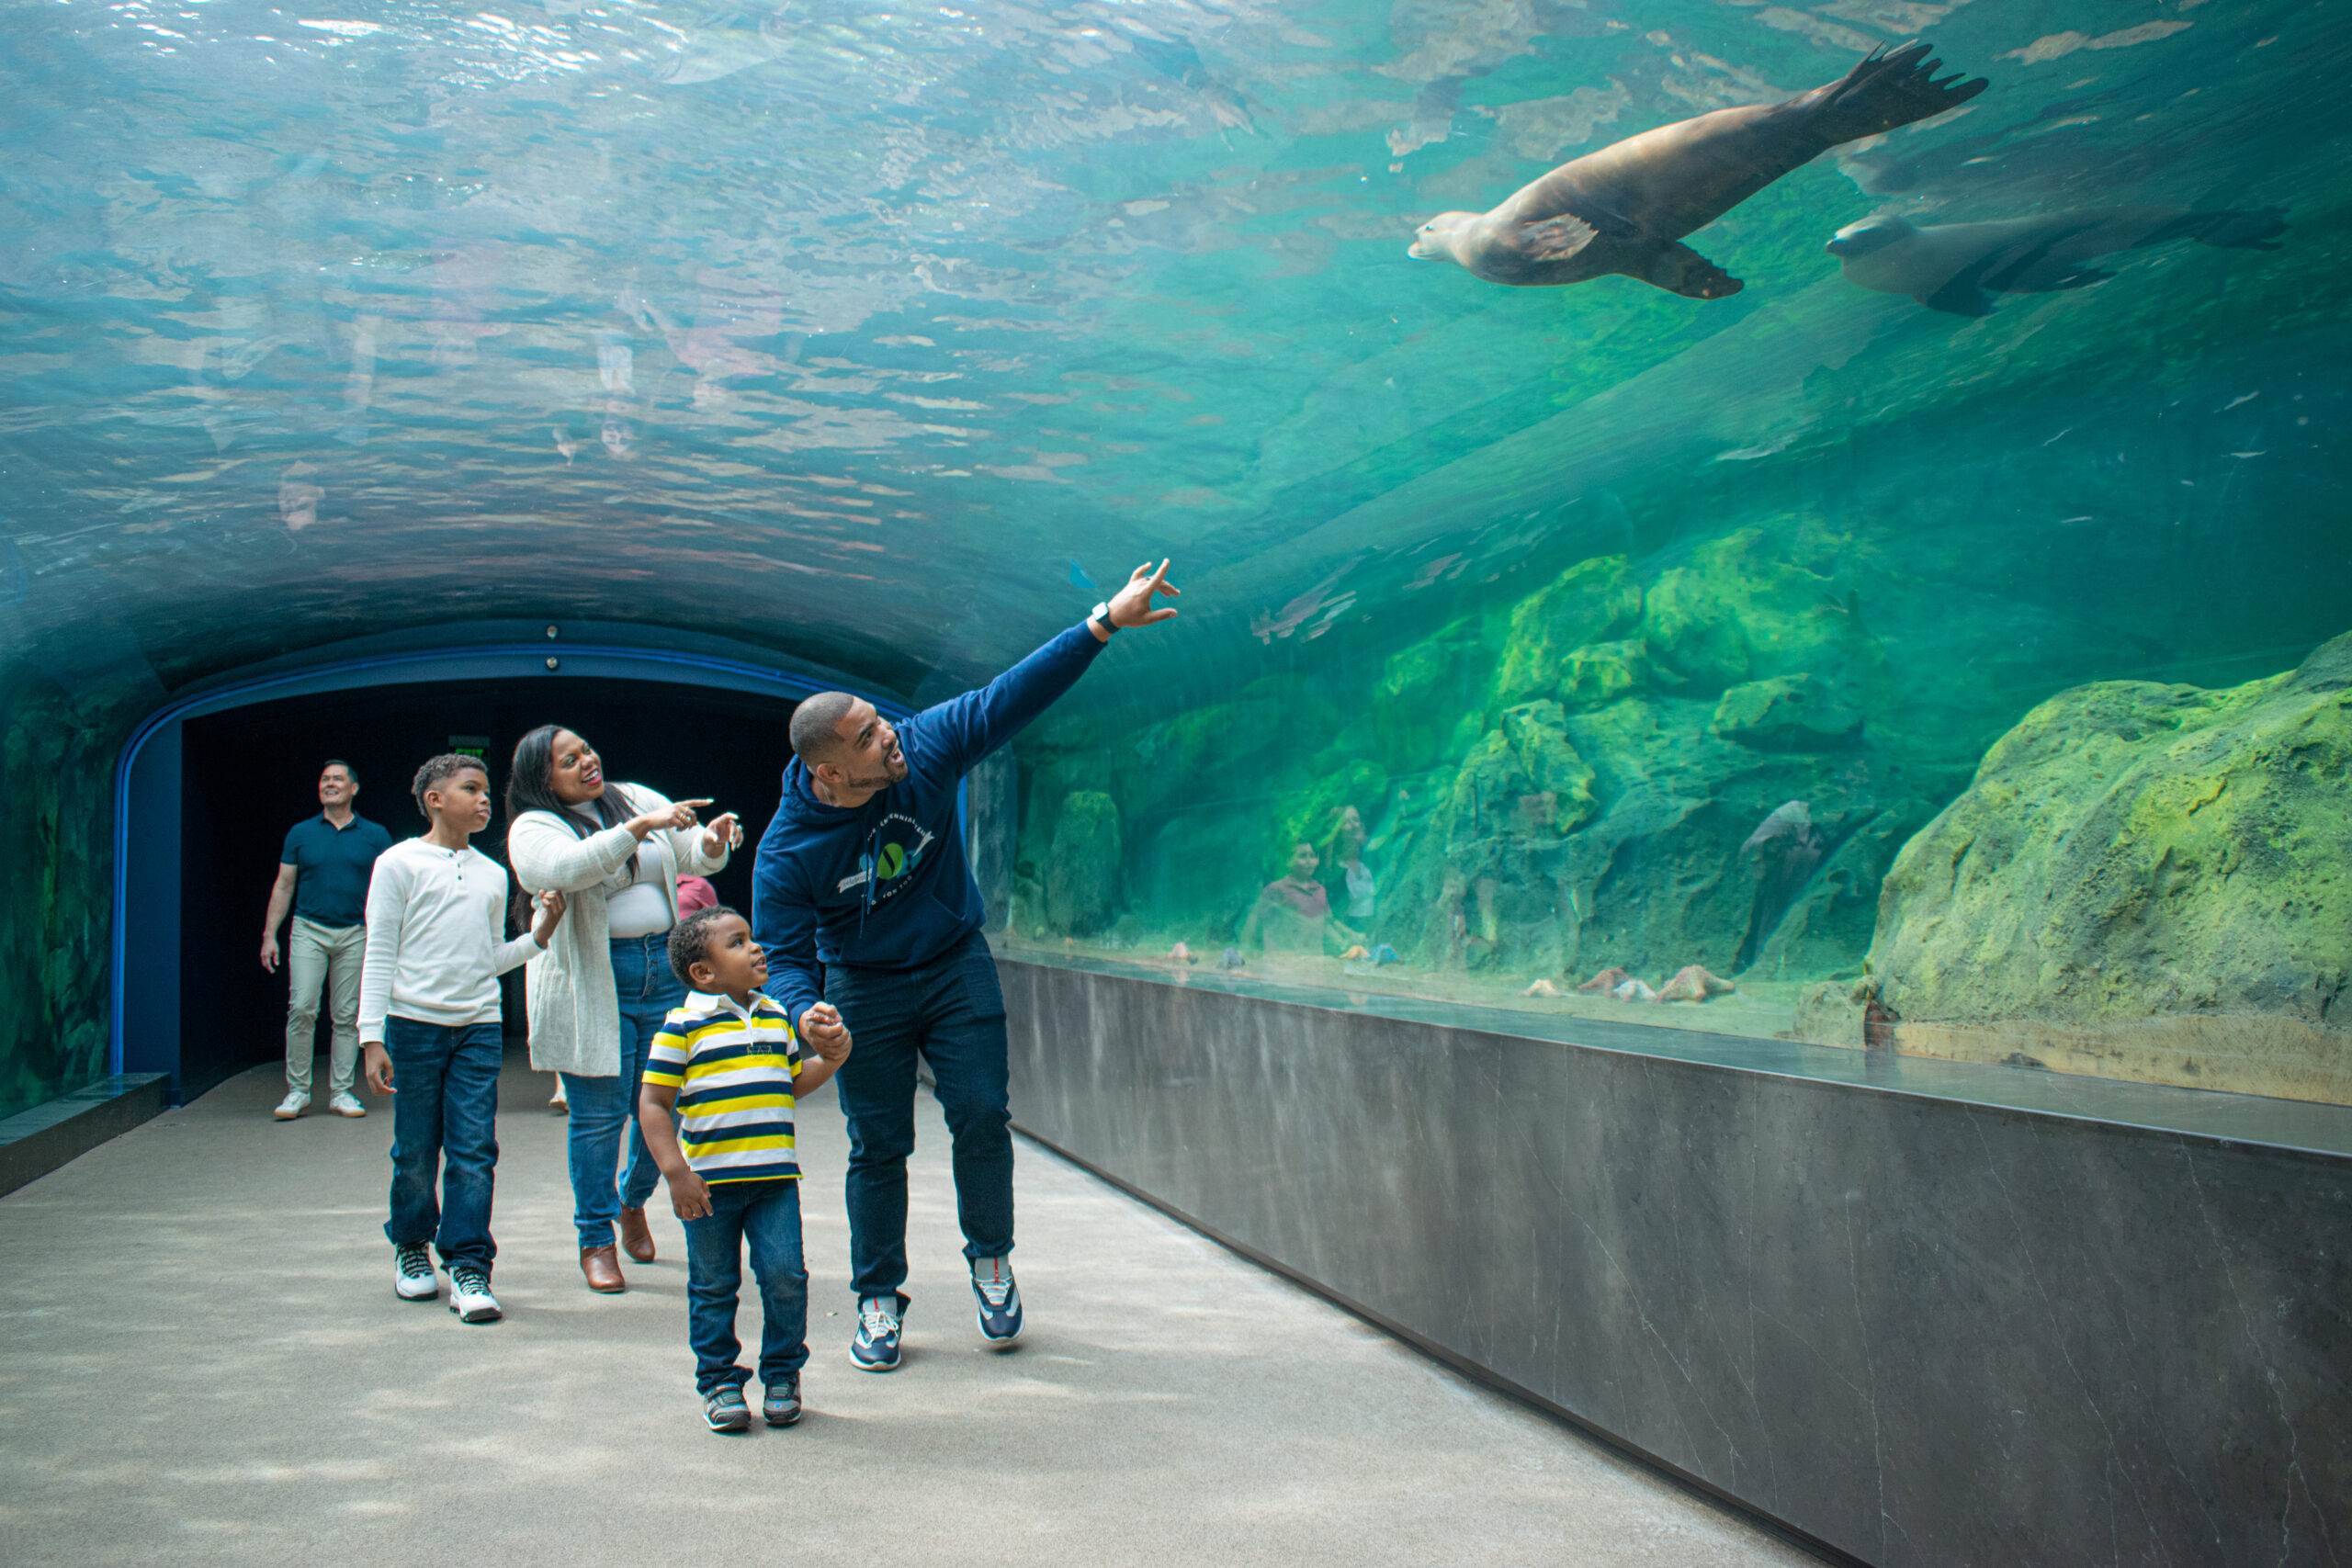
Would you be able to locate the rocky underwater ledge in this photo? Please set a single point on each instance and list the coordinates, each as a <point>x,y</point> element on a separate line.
<point>1723,765</point>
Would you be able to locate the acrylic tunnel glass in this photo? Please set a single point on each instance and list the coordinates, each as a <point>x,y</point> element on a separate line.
<point>1864,573</point>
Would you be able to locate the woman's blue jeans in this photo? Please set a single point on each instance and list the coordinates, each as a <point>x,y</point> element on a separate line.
<point>767,1215</point>
<point>604,1109</point>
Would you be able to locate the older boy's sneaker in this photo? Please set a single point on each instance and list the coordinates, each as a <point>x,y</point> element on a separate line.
<point>469,1295</point>
<point>293,1105</point>
<point>413,1278</point>
<point>875,1349</point>
<point>723,1410</point>
<point>781,1406</point>
<point>999,1300</point>
<point>346,1105</point>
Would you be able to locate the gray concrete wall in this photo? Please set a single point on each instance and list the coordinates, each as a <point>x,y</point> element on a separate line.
<point>1919,1331</point>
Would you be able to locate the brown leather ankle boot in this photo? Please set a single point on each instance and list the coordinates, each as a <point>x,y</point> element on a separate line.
<point>637,1236</point>
<point>603,1268</point>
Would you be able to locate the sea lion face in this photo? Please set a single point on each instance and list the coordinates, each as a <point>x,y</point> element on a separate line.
<point>1433,241</point>
<point>1873,234</point>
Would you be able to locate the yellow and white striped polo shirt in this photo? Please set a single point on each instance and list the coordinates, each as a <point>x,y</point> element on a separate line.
<point>733,1069</point>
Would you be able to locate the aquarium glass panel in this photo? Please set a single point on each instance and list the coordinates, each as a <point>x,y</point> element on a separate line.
<point>1857,556</point>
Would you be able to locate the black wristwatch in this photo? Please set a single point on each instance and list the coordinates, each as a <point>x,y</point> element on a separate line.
<point>1102,613</point>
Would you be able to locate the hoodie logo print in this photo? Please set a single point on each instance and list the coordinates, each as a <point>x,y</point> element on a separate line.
<point>892,858</point>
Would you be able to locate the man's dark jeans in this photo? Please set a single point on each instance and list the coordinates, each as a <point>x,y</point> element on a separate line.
<point>444,1109</point>
<point>951,1011</point>
<point>766,1214</point>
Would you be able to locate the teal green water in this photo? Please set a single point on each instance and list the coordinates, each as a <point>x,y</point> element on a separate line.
<point>875,337</point>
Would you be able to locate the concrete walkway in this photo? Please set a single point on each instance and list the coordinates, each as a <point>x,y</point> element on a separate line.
<point>201,1361</point>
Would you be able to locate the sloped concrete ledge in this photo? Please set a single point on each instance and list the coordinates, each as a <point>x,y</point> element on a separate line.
<point>36,1141</point>
<point>1913,1331</point>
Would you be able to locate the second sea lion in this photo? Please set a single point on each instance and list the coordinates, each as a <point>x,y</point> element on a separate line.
<point>1957,267</point>
<point>1625,209</point>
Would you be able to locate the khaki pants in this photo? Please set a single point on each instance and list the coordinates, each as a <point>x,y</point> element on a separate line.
<point>328,955</point>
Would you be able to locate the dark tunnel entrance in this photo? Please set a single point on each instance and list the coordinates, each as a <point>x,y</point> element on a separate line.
<point>250,773</point>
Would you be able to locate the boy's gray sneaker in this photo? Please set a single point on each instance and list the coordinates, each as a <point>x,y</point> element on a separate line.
<point>781,1406</point>
<point>293,1105</point>
<point>469,1295</point>
<point>413,1277</point>
<point>999,1300</point>
<point>723,1410</point>
<point>879,1320</point>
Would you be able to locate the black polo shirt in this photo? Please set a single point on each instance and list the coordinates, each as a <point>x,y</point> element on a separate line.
<point>334,865</point>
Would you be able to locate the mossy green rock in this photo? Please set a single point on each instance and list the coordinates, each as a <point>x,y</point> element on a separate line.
<point>1591,601</point>
<point>1425,690</point>
<point>1601,672</point>
<point>2133,851</point>
<point>1082,876</point>
<point>1525,778</point>
<point>1755,605</point>
<point>1787,713</point>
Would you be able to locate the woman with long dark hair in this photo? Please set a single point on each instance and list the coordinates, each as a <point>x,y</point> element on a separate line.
<point>599,993</point>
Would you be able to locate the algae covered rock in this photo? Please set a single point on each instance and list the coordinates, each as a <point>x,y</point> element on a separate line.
<point>1601,672</point>
<point>1591,601</point>
<point>1083,873</point>
<point>1525,778</point>
<point>2133,854</point>
<point>1424,694</point>
<point>1752,605</point>
<point>1787,713</point>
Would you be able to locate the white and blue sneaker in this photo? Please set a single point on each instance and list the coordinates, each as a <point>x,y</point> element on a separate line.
<point>875,1349</point>
<point>469,1295</point>
<point>413,1278</point>
<point>999,1300</point>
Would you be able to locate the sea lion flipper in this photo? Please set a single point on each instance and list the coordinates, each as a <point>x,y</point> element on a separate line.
<point>1554,239</point>
<point>1679,269</point>
<point>1961,297</point>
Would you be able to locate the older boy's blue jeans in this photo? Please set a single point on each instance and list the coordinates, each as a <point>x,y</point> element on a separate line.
<point>767,1215</point>
<point>951,1011</point>
<point>604,1111</point>
<point>444,1123</point>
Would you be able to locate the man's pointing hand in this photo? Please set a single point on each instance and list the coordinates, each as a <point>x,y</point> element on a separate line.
<point>1132,606</point>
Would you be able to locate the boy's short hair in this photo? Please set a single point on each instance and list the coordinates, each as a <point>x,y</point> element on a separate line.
<point>440,770</point>
<point>690,940</point>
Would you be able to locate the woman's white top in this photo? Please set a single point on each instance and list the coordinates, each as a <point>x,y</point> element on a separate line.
<point>437,938</point>
<point>634,905</point>
<point>575,1012</point>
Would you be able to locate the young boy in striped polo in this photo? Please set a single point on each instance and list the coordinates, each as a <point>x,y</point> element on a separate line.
<point>730,1065</point>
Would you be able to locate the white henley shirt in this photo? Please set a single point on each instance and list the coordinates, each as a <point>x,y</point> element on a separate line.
<point>437,920</point>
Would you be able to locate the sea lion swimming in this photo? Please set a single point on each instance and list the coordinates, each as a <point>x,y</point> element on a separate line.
<point>1949,266</point>
<point>1625,209</point>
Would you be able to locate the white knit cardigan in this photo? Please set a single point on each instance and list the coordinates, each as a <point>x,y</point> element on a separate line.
<point>574,1010</point>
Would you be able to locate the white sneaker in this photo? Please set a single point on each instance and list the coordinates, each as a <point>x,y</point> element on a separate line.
<point>412,1276</point>
<point>469,1295</point>
<point>293,1105</point>
<point>346,1105</point>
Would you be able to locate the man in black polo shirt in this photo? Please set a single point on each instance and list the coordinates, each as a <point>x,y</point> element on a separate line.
<point>322,874</point>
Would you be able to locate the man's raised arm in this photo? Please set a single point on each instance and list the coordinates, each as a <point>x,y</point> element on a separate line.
<point>970,727</point>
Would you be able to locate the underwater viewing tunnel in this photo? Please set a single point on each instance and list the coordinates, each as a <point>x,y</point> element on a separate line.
<point>1716,928</point>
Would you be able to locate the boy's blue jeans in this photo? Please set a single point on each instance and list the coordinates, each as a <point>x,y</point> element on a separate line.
<point>767,1215</point>
<point>604,1111</point>
<point>951,1010</point>
<point>445,1125</point>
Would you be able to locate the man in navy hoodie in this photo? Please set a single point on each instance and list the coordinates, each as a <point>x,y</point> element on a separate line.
<point>862,895</point>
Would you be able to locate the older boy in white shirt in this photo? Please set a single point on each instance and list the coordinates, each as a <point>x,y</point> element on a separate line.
<point>429,1022</point>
